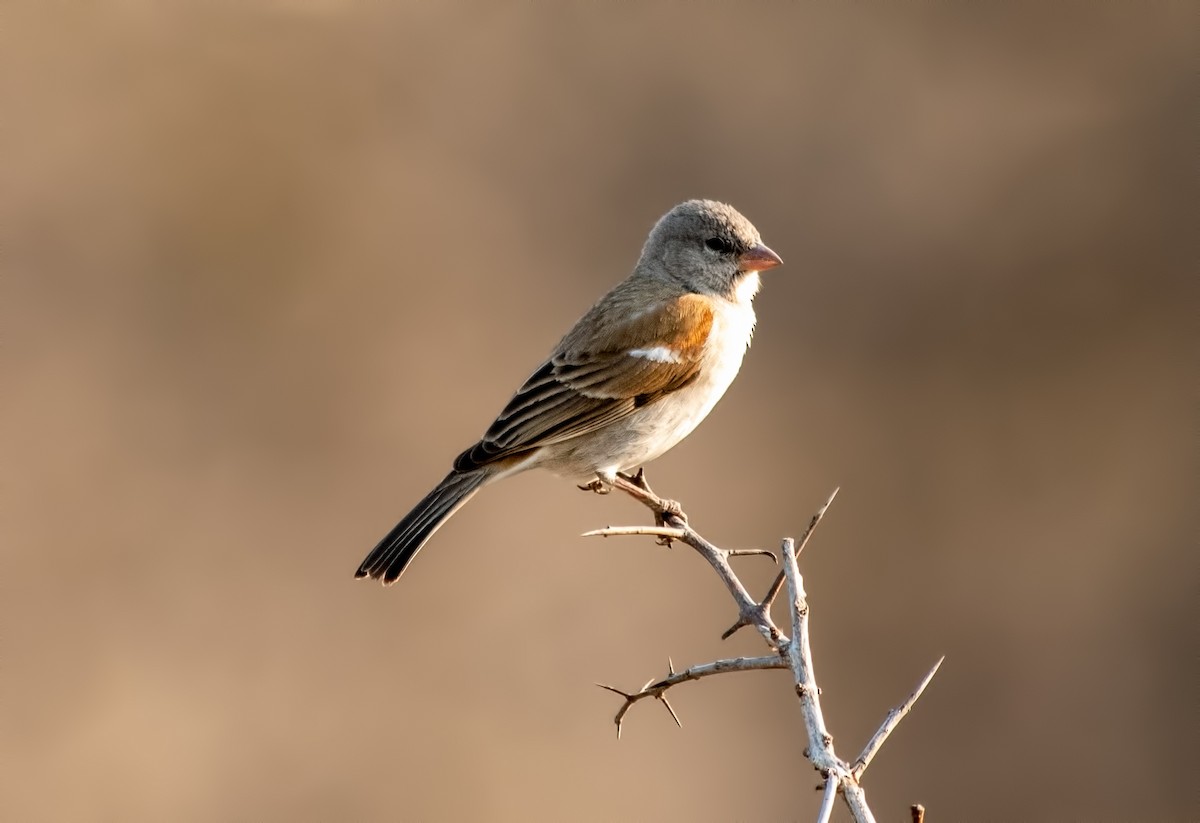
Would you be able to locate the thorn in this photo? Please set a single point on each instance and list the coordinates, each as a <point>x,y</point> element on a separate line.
<point>615,690</point>
<point>751,552</point>
<point>728,633</point>
<point>670,667</point>
<point>674,716</point>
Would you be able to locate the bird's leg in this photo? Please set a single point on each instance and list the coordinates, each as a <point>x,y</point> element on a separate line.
<point>637,487</point>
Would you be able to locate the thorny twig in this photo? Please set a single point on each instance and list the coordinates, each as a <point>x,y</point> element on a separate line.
<point>657,688</point>
<point>671,523</point>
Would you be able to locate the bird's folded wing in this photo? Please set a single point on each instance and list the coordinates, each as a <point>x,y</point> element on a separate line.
<point>629,365</point>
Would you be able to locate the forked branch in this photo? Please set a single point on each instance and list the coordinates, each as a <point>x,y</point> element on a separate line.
<point>657,689</point>
<point>795,653</point>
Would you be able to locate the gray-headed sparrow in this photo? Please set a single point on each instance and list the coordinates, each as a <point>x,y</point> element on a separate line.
<point>634,376</point>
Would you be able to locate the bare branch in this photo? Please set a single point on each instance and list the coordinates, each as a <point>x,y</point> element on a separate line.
<point>820,747</point>
<point>675,526</point>
<point>671,534</point>
<point>622,531</point>
<point>796,653</point>
<point>752,553</point>
<point>799,653</point>
<point>777,585</point>
<point>918,813</point>
<point>856,801</point>
<point>657,688</point>
<point>891,721</point>
<point>773,592</point>
<point>831,793</point>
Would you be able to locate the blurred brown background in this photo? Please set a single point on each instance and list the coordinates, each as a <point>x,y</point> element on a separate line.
<point>269,266</point>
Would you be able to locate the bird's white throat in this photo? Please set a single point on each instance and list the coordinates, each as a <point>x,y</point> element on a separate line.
<point>744,291</point>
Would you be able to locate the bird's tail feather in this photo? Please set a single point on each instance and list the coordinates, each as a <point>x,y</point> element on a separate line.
<point>389,559</point>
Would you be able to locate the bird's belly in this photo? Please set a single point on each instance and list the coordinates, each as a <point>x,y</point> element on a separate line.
<point>666,423</point>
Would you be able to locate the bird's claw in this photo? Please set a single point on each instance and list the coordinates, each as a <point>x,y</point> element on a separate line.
<point>672,511</point>
<point>597,486</point>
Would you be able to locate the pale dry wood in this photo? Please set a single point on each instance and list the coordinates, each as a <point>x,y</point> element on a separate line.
<point>795,653</point>
<point>657,688</point>
<point>675,526</point>
<point>891,721</point>
<point>632,531</point>
<point>820,742</point>
<point>777,585</point>
<point>827,801</point>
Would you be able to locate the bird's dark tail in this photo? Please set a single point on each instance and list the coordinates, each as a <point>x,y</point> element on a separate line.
<point>393,554</point>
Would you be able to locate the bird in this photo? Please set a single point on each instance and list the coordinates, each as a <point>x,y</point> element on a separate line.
<point>634,376</point>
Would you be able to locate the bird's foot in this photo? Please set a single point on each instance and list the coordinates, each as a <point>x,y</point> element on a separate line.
<point>667,513</point>
<point>597,486</point>
<point>671,510</point>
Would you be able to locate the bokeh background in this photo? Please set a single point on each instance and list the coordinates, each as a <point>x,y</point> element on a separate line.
<point>269,265</point>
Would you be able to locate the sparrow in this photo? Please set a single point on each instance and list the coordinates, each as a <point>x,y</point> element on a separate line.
<point>636,374</point>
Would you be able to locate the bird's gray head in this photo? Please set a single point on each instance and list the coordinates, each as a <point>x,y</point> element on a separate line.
<point>709,248</point>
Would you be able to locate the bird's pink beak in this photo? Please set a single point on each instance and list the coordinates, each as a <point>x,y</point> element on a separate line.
<point>759,258</point>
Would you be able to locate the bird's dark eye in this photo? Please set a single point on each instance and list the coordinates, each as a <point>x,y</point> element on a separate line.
<point>719,244</point>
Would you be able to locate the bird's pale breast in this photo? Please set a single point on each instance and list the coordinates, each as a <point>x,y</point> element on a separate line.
<point>649,432</point>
